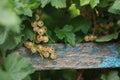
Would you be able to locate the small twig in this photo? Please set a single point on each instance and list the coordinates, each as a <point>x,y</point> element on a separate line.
<point>39,78</point>
<point>80,75</point>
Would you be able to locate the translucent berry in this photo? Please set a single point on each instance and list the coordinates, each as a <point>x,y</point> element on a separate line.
<point>44,29</point>
<point>92,38</point>
<point>38,11</point>
<point>37,16</point>
<point>35,29</point>
<point>39,47</point>
<point>28,44</point>
<point>51,50</point>
<point>46,54</point>
<point>45,39</point>
<point>53,56</point>
<point>40,31</point>
<point>40,23</point>
<point>34,24</point>
<point>33,50</point>
<point>86,38</point>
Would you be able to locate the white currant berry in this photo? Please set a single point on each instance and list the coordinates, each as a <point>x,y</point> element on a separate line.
<point>37,16</point>
<point>45,39</point>
<point>40,31</point>
<point>86,38</point>
<point>34,24</point>
<point>33,50</point>
<point>40,23</point>
<point>53,56</point>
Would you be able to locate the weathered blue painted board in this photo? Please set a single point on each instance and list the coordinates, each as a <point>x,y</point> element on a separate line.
<point>82,56</point>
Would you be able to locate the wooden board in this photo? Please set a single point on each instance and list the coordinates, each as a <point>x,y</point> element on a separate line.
<point>81,56</point>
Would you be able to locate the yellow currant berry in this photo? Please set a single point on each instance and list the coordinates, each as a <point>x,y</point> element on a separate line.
<point>53,56</point>
<point>39,47</point>
<point>111,24</point>
<point>36,41</point>
<point>92,38</point>
<point>40,31</point>
<point>35,29</point>
<point>51,50</point>
<point>40,23</point>
<point>38,11</point>
<point>34,24</point>
<point>39,38</point>
<point>86,38</point>
<point>44,29</point>
<point>37,16</point>
<point>28,44</point>
<point>45,39</point>
<point>46,54</point>
<point>33,50</point>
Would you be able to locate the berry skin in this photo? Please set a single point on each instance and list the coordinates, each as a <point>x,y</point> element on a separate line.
<point>39,47</point>
<point>45,39</point>
<point>34,24</point>
<point>44,29</point>
<point>39,38</point>
<point>37,16</point>
<point>40,31</point>
<point>35,29</point>
<point>33,50</point>
<point>92,38</point>
<point>53,56</point>
<point>40,23</point>
<point>46,54</point>
<point>28,44</point>
<point>38,11</point>
<point>51,50</point>
<point>87,38</point>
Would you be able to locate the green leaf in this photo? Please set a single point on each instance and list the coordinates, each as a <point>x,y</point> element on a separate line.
<point>44,3</point>
<point>58,3</point>
<point>67,28</point>
<point>115,8</point>
<point>112,75</point>
<point>74,11</point>
<point>27,78</point>
<point>24,7</point>
<point>94,3</point>
<point>17,67</point>
<point>28,12</point>
<point>70,38</point>
<point>55,3</point>
<point>8,16</point>
<point>81,24</point>
<point>59,33</point>
<point>11,41</point>
<point>84,2</point>
<point>4,75</point>
<point>3,34</point>
<point>118,22</point>
<point>107,37</point>
<point>66,33</point>
<point>28,34</point>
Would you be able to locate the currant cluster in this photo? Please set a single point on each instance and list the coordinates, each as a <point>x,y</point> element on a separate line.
<point>104,29</point>
<point>90,38</point>
<point>40,37</point>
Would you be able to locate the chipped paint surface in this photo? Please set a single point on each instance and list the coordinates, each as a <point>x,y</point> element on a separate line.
<point>81,56</point>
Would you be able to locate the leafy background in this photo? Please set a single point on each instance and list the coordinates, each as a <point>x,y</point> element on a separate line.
<point>67,21</point>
